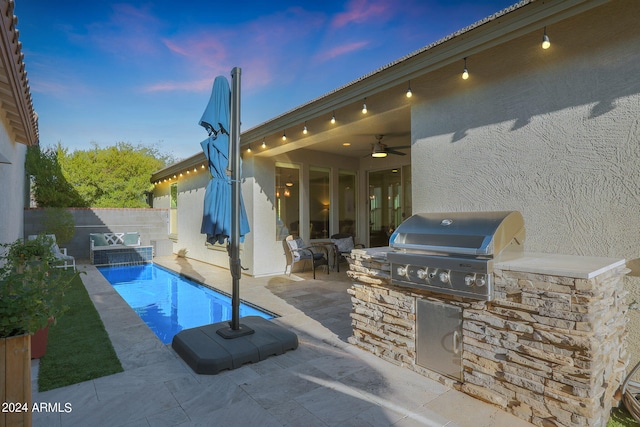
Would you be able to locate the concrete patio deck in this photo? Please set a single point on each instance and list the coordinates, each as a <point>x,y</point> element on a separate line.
<point>325,382</point>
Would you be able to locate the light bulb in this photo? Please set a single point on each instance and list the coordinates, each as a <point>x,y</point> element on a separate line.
<point>333,119</point>
<point>364,108</point>
<point>304,131</point>
<point>409,94</point>
<point>264,144</point>
<point>545,41</point>
<point>465,74</point>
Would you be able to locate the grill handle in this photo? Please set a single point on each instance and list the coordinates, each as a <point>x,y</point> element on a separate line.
<point>456,342</point>
<point>444,249</point>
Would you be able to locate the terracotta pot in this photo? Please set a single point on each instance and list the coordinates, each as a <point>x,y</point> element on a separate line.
<point>15,380</point>
<point>39,342</point>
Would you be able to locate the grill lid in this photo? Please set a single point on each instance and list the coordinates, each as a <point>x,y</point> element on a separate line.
<point>462,233</point>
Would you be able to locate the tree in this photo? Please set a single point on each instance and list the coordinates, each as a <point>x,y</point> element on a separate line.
<point>115,176</point>
<point>50,187</point>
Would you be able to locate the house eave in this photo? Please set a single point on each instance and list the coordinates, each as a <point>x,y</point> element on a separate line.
<point>15,92</point>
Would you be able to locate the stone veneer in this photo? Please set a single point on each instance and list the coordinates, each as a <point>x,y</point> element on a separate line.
<point>549,349</point>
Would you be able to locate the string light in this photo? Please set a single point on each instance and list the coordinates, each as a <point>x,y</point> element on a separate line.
<point>409,93</point>
<point>465,72</point>
<point>284,135</point>
<point>304,131</point>
<point>249,149</point>
<point>264,144</point>
<point>364,106</point>
<point>333,118</point>
<point>545,40</point>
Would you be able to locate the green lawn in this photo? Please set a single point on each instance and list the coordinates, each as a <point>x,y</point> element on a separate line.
<point>79,348</point>
<point>620,417</point>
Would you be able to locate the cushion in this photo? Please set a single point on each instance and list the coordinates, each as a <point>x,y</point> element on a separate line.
<point>130,239</point>
<point>299,243</point>
<point>55,249</point>
<point>294,245</point>
<point>343,245</point>
<point>98,239</point>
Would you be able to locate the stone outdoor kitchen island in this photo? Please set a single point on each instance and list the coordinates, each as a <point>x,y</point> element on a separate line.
<point>549,348</point>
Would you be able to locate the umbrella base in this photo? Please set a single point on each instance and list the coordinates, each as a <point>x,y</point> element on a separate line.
<point>206,352</point>
<point>229,333</point>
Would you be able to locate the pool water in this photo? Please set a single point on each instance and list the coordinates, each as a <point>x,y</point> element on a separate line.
<point>168,302</point>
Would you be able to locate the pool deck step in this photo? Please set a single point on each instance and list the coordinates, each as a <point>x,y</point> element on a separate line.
<point>207,352</point>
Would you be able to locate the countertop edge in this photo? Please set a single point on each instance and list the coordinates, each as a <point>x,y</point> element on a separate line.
<point>576,266</point>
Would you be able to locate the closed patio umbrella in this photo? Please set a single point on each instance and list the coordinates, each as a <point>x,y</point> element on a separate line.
<point>217,215</point>
<point>224,215</point>
<point>232,344</point>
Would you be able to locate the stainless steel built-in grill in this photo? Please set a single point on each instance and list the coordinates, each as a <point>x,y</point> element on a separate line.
<point>453,253</point>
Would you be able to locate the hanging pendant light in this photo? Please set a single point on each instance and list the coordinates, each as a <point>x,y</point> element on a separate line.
<point>546,44</point>
<point>465,72</point>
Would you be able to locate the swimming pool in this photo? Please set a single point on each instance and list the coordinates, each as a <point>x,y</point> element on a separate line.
<point>168,302</point>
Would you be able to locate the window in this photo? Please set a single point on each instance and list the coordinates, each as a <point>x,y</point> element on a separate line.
<point>173,211</point>
<point>319,202</point>
<point>389,202</point>
<point>347,197</point>
<point>287,201</point>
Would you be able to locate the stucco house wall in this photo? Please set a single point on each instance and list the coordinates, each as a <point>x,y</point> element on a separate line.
<point>12,177</point>
<point>18,125</point>
<point>554,134</point>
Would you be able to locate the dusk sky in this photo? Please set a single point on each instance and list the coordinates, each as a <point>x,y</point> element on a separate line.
<point>142,71</point>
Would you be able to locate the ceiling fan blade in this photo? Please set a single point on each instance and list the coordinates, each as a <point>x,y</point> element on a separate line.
<point>399,153</point>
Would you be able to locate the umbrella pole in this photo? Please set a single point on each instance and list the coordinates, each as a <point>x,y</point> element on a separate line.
<point>236,329</point>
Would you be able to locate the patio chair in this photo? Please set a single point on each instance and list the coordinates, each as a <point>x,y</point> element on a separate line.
<point>59,254</point>
<point>296,250</point>
<point>342,246</point>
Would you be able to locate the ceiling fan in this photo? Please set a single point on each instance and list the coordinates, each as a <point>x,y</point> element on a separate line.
<point>380,150</point>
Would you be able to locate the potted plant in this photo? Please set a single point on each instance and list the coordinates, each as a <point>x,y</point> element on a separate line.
<point>31,293</point>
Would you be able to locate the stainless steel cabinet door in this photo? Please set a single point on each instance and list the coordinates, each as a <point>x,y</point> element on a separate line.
<point>439,337</point>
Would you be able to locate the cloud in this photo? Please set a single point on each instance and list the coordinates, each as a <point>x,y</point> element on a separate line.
<point>340,50</point>
<point>188,86</point>
<point>129,32</point>
<point>268,46</point>
<point>362,11</point>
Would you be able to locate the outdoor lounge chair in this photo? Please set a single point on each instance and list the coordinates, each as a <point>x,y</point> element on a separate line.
<point>343,244</point>
<point>296,250</point>
<point>58,253</point>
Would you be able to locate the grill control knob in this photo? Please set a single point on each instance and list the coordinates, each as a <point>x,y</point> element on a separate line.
<point>422,274</point>
<point>481,281</point>
<point>444,276</point>
<point>469,279</point>
<point>402,271</point>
